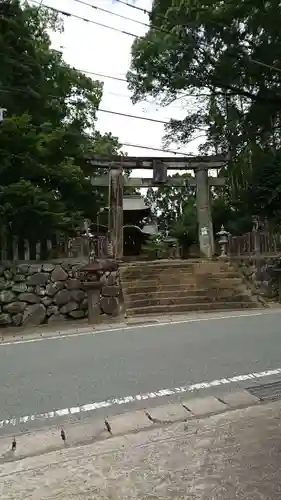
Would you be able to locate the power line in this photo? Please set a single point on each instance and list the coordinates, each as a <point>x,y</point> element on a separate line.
<point>93,73</point>
<point>69,14</point>
<point>127,115</point>
<point>86,20</point>
<point>148,12</point>
<point>87,4</point>
<point>111,77</point>
<point>217,23</point>
<point>132,116</point>
<point>159,149</point>
<point>128,144</point>
<point>130,34</point>
<point>120,79</point>
<point>102,75</point>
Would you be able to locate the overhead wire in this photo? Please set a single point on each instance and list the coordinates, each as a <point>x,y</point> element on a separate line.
<point>162,16</point>
<point>85,19</point>
<point>127,115</point>
<point>136,7</point>
<point>128,144</point>
<point>111,77</point>
<point>105,11</point>
<point>68,14</point>
<point>180,153</point>
<point>95,7</point>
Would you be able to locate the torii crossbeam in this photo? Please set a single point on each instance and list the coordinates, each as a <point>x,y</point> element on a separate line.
<point>160,166</point>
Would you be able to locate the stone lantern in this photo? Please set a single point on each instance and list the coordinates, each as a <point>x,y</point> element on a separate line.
<point>223,241</point>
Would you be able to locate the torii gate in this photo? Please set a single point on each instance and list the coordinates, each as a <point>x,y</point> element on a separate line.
<point>160,166</point>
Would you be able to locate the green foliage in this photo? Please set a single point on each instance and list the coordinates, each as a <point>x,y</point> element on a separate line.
<point>228,54</point>
<point>49,129</point>
<point>155,248</point>
<point>175,209</point>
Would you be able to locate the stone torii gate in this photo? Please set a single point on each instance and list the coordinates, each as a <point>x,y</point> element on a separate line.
<point>160,166</point>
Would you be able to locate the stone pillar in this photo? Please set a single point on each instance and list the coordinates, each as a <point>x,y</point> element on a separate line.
<point>90,276</point>
<point>94,312</point>
<point>205,224</point>
<point>115,214</point>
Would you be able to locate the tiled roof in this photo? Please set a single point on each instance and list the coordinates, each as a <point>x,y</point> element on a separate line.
<point>134,202</point>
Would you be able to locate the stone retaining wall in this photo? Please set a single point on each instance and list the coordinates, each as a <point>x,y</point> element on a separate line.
<point>262,279</point>
<point>32,294</point>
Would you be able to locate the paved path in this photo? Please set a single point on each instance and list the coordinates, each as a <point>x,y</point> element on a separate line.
<point>235,455</point>
<point>121,369</point>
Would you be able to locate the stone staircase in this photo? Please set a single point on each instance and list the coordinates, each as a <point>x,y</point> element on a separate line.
<point>178,286</point>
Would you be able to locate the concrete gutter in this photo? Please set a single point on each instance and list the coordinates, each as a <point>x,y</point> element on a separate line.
<point>43,441</point>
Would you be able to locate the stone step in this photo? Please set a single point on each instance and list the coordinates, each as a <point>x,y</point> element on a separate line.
<point>174,263</point>
<point>187,299</point>
<point>176,292</point>
<point>147,271</point>
<point>152,280</point>
<point>148,287</point>
<point>210,267</point>
<point>182,308</point>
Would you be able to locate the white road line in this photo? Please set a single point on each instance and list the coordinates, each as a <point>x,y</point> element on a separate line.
<point>77,332</point>
<point>15,421</point>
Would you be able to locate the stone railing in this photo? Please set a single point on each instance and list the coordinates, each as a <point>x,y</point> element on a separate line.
<point>49,292</point>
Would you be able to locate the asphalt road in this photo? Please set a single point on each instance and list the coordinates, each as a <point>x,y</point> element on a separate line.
<point>51,374</point>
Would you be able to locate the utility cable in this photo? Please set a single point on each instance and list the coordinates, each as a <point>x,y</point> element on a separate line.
<point>85,19</point>
<point>217,23</point>
<point>69,14</point>
<point>127,115</point>
<point>105,11</point>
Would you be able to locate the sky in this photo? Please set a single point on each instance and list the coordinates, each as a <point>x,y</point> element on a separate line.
<point>96,49</point>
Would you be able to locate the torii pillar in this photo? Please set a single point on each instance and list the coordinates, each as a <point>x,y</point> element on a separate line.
<point>204,216</point>
<point>115,214</point>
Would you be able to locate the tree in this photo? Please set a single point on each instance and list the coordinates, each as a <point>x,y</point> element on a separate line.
<point>48,131</point>
<point>227,53</point>
<point>175,209</point>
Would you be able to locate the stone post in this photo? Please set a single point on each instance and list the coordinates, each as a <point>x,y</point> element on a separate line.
<point>94,313</point>
<point>92,285</point>
<point>91,275</point>
<point>115,214</point>
<point>205,224</point>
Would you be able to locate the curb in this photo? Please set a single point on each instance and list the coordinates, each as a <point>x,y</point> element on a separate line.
<point>39,442</point>
<point>44,332</point>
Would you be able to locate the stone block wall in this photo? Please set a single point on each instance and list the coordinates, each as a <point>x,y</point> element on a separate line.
<point>262,278</point>
<point>32,294</point>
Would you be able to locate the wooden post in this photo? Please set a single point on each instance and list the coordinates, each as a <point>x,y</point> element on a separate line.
<point>115,213</point>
